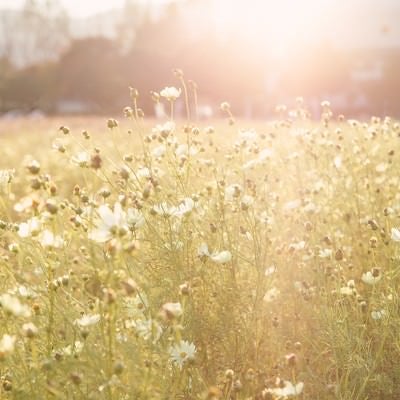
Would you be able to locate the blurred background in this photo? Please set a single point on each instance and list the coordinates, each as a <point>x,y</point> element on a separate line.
<point>80,56</point>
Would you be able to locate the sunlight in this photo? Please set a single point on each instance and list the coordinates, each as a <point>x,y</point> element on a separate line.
<point>278,25</point>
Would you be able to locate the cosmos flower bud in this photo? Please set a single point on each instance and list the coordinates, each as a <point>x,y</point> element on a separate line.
<point>225,106</point>
<point>229,373</point>
<point>291,359</point>
<point>130,286</point>
<point>133,92</point>
<point>65,130</point>
<point>29,330</point>
<point>112,123</point>
<point>171,311</point>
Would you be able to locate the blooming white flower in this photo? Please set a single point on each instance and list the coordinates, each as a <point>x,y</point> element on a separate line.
<point>247,201</point>
<point>29,228</point>
<point>182,352</point>
<point>270,270</point>
<point>298,245</point>
<point>71,349</point>
<point>12,305</point>
<point>378,314</point>
<point>371,278</point>
<point>134,218</point>
<point>88,320</point>
<point>164,129</point>
<point>30,329</point>
<point>158,151</point>
<point>292,205</point>
<point>289,389</point>
<point>233,191</point>
<point>382,167</point>
<point>262,156</point>
<point>109,223</point>
<point>147,329</point>
<point>337,162</point>
<point>7,344</point>
<point>203,251</point>
<point>271,295</point>
<point>185,207</point>
<point>222,257</point>
<point>248,135</point>
<point>349,289</point>
<point>164,209</point>
<point>48,239</point>
<point>170,93</point>
<point>325,253</point>
<point>395,234</point>
<point>82,159</point>
<point>183,150</point>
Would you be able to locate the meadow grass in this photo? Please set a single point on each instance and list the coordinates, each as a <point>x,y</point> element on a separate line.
<point>187,261</point>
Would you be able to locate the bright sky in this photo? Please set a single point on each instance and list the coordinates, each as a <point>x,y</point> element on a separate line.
<point>81,8</point>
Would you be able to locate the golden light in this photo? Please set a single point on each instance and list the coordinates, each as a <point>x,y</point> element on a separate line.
<point>277,25</point>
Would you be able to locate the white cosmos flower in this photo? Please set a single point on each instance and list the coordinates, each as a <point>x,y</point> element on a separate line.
<point>182,150</point>
<point>170,93</point>
<point>109,223</point>
<point>185,207</point>
<point>203,251</point>
<point>29,228</point>
<point>233,191</point>
<point>182,352</point>
<point>222,257</point>
<point>134,218</point>
<point>298,245</point>
<point>148,329</point>
<point>143,173</point>
<point>247,200</point>
<point>165,129</point>
<point>81,159</point>
<point>395,234</point>
<point>370,279</point>
<point>337,162</point>
<point>263,155</point>
<point>292,205</point>
<point>378,314</point>
<point>349,289</point>
<point>289,389</point>
<point>12,305</point>
<point>48,239</point>
<point>165,210</point>
<point>71,349</point>
<point>270,270</point>
<point>249,135</point>
<point>325,253</point>
<point>271,295</point>
<point>88,320</point>
<point>159,151</point>
<point>7,344</point>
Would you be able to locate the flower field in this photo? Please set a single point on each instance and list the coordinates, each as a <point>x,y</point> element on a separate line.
<point>183,260</point>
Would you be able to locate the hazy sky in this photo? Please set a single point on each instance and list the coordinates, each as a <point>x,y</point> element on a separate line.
<point>81,8</point>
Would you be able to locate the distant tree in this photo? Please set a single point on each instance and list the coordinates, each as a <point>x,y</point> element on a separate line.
<point>38,32</point>
<point>29,88</point>
<point>90,70</point>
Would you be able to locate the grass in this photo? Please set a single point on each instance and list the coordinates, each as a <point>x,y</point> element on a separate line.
<point>184,262</point>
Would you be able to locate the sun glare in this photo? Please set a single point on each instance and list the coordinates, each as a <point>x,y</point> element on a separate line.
<point>278,25</point>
